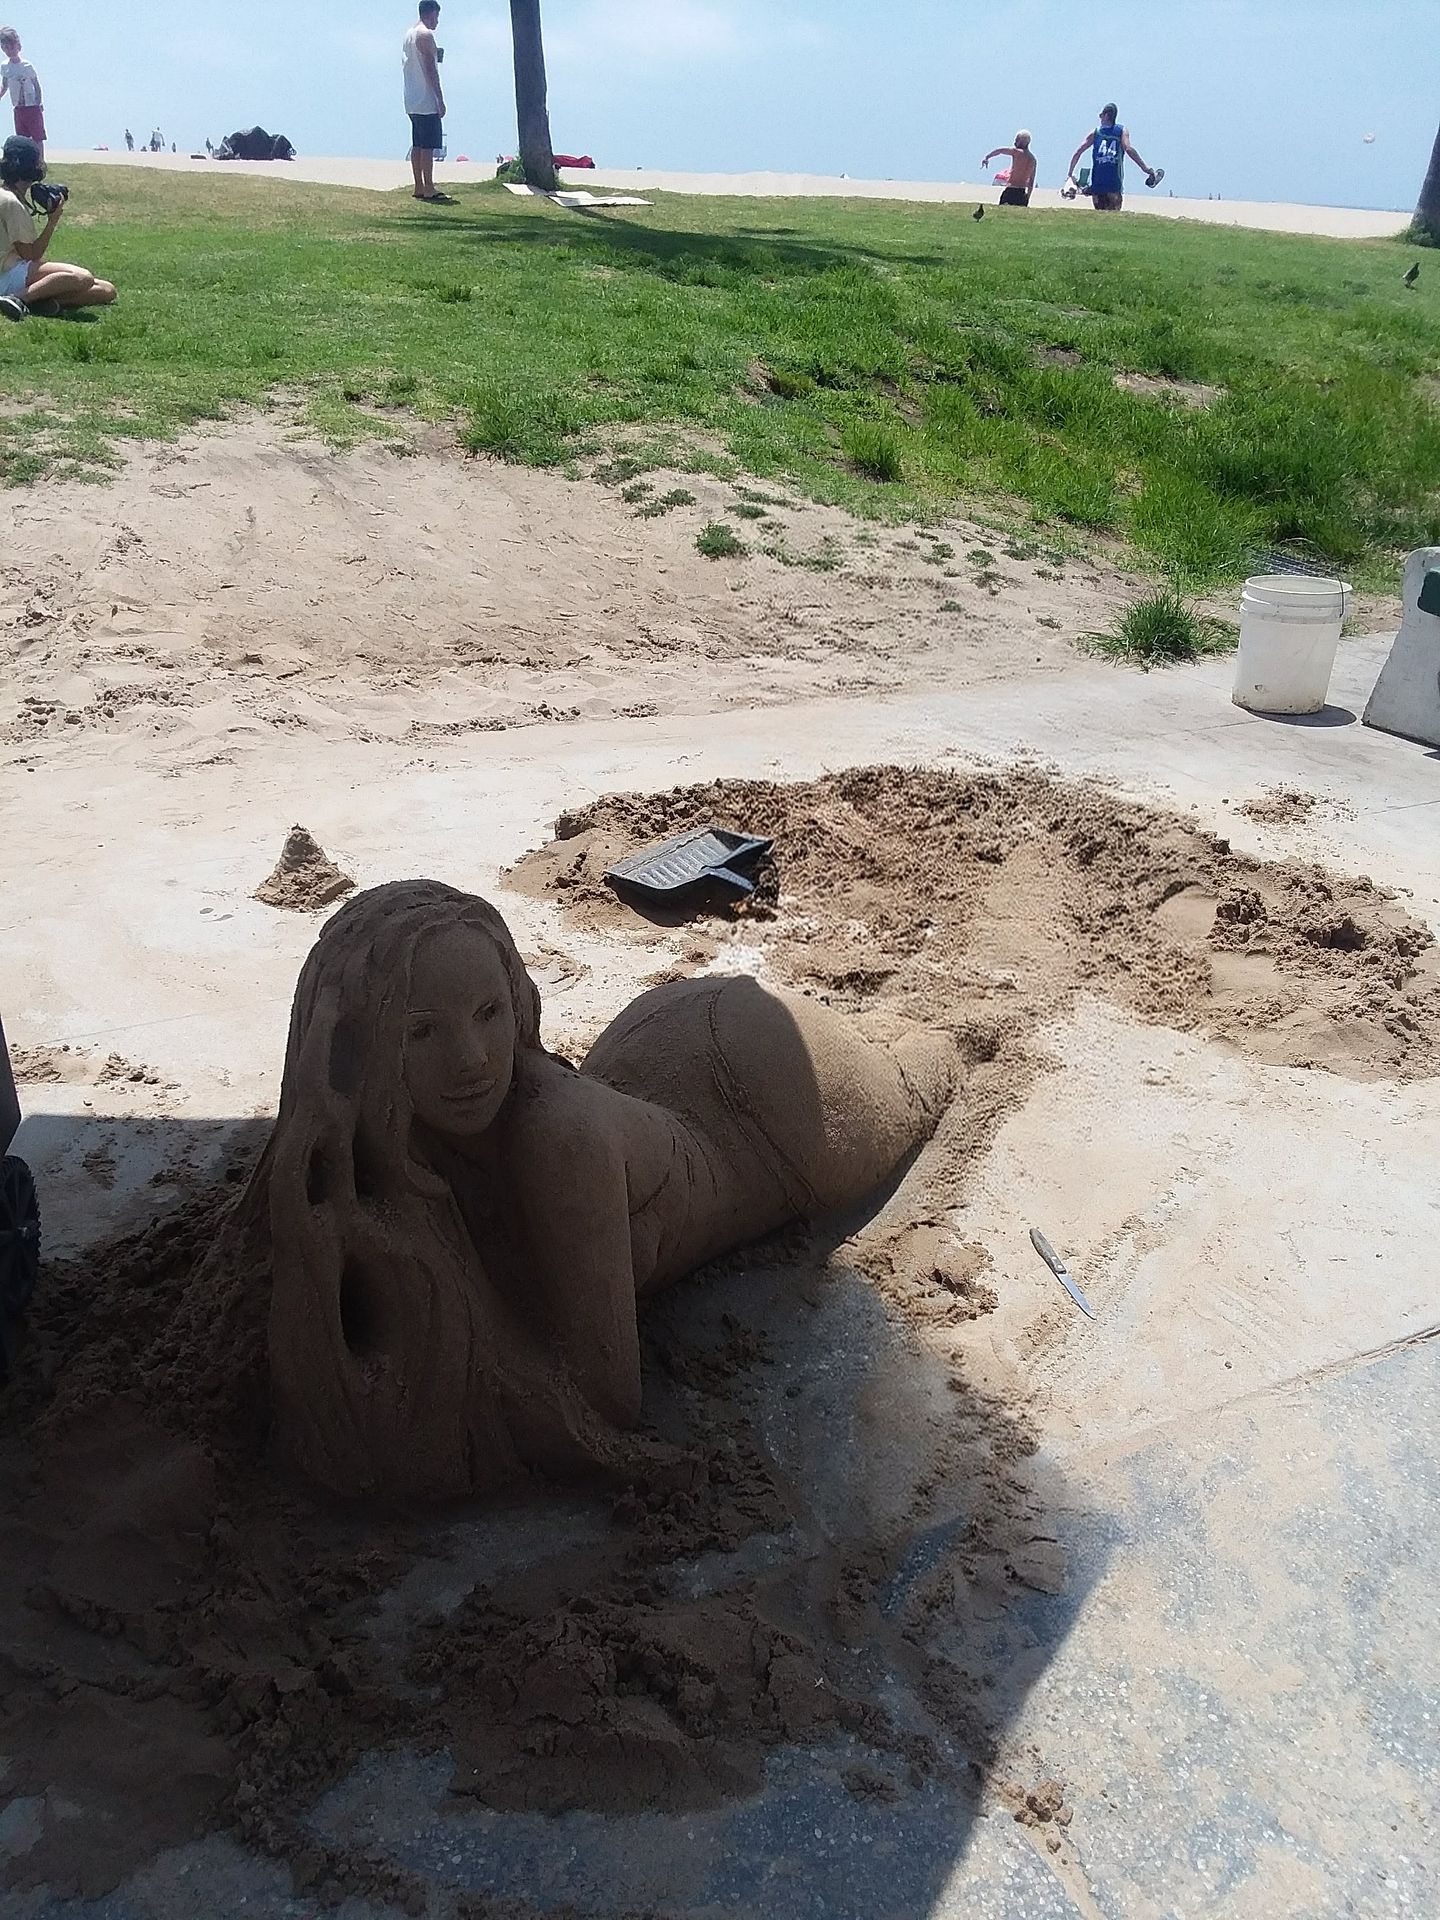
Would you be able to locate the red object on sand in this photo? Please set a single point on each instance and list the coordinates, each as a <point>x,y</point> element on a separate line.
<point>569,160</point>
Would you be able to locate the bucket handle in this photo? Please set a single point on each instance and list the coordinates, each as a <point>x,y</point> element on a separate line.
<point>1347,596</point>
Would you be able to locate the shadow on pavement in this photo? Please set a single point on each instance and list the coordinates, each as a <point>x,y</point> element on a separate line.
<point>1326,717</point>
<point>913,1550</point>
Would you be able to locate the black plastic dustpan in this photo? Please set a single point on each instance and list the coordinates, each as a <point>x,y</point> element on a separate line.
<point>704,856</point>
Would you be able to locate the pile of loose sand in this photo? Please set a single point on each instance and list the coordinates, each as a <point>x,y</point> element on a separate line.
<point>304,878</point>
<point>1280,807</point>
<point>987,901</point>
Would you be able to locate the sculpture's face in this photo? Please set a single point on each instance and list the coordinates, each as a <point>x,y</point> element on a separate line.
<point>459,1033</point>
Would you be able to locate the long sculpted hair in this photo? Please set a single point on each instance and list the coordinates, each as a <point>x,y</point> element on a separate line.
<point>397,1369</point>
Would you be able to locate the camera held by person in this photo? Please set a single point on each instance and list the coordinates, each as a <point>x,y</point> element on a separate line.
<point>29,282</point>
<point>45,194</point>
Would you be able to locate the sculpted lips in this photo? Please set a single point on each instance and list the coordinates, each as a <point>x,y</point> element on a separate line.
<point>477,1092</point>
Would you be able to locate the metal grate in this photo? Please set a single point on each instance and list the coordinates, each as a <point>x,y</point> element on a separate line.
<point>1272,561</point>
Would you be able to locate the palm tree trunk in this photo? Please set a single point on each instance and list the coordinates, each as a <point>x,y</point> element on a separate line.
<point>1427,214</point>
<point>536,154</point>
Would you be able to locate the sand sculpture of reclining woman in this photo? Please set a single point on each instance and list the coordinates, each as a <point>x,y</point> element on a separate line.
<point>461,1224</point>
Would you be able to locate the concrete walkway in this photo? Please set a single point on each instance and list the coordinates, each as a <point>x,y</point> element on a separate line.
<point>1240,1682</point>
<point>1341,223</point>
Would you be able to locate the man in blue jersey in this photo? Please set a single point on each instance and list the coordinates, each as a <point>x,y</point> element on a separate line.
<point>1107,147</point>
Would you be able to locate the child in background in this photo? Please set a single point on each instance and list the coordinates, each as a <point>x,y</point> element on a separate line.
<point>19,80</point>
<point>1021,183</point>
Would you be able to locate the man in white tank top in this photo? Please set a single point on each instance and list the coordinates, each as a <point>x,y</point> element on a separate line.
<point>424,101</point>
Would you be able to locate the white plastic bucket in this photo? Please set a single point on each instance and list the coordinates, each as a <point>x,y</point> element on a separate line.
<point>1289,631</point>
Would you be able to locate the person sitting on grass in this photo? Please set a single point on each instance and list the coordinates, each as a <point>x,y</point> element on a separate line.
<point>29,283</point>
<point>1022,171</point>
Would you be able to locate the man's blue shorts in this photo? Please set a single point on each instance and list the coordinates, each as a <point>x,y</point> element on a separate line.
<point>426,131</point>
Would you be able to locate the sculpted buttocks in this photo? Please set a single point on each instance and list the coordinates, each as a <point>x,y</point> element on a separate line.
<point>460,1223</point>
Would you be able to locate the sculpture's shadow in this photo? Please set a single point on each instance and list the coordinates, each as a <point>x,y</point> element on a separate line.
<point>903,1528</point>
<point>920,1549</point>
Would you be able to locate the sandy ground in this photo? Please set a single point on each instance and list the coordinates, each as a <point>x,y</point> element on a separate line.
<point>243,582</point>
<point>244,631</point>
<point>1341,223</point>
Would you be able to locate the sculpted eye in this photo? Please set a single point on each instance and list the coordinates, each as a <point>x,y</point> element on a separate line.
<point>488,1011</point>
<point>422,1030</point>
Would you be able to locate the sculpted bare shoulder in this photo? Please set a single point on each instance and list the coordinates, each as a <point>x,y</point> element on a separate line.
<point>458,1226</point>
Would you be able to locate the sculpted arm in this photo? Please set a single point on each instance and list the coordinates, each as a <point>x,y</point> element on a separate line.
<point>577,1230</point>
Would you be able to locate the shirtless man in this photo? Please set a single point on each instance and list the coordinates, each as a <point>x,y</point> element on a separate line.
<point>1022,171</point>
<point>1107,147</point>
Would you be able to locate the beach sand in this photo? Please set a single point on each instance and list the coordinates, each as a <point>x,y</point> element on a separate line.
<point>1339,223</point>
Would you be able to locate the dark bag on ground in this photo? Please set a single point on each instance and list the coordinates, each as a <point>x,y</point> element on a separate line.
<point>254,143</point>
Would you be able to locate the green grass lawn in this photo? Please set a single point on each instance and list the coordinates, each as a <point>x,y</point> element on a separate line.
<point>897,359</point>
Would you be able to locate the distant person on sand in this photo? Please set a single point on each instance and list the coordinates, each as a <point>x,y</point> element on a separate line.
<point>19,80</point>
<point>29,283</point>
<point>157,141</point>
<point>1107,147</point>
<point>425,102</point>
<point>1022,171</point>
<point>129,141</point>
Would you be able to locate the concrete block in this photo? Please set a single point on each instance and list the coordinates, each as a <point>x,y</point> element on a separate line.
<point>9,1099</point>
<point>1406,699</point>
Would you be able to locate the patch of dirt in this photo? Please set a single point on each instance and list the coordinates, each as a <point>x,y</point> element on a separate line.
<point>1280,807</point>
<point>38,716</point>
<point>986,902</point>
<point>1371,612</point>
<point>241,582</point>
<point>1042,1804</point>
<point>51,1066</point>
<point>100,1164</point>
<point>1154,386</point>
<point>926,1272</point>
<point>75,1066</point>
<point>542,715</point>
<point>644,1698</point>
<point>116,1069</point>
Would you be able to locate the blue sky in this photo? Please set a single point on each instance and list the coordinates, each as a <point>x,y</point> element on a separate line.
<point>1251,99</point>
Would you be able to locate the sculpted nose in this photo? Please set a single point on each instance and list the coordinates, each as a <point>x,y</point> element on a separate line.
<point>476,1056</point>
